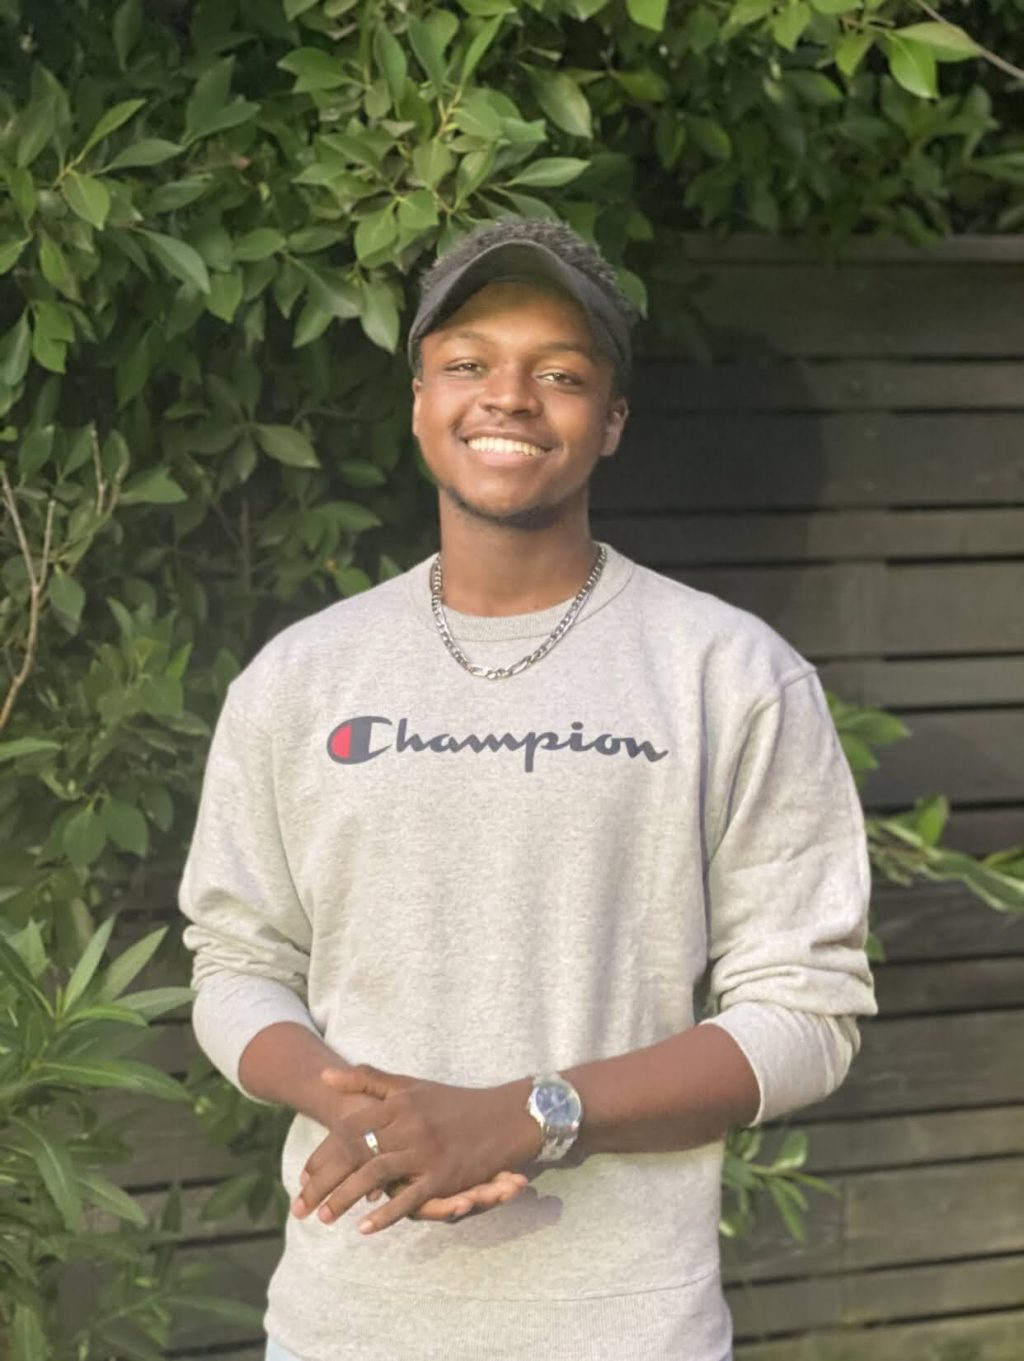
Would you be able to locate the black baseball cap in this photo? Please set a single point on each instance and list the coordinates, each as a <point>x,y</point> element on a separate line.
<point>524,260</point>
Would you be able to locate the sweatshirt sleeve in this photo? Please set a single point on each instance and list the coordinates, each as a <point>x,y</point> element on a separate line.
<point>789,884</point>
<point>249,932</point>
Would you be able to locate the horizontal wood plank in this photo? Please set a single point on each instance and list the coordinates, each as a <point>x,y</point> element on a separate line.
<point>976,1337</point>
<point>856,609</point>
<point>932,1063</point>
<point>667,541</point>
<point>956,985</point>
<point>903,1140</point>
<point>971,756</point>
<point>677,384</point>
<point>931,682</point>
<point>854,309</point>
<point>762,247</point>
<point>941,921</point>
<point>809,462</point>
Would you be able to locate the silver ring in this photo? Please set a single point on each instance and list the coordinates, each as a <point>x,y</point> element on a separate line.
<point>371,1142</point>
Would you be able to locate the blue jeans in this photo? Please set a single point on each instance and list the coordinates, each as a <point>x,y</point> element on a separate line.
<point>275,1352</point>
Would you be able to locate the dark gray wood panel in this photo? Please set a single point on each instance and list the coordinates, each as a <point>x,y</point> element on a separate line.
<point>761,247</point>
<point>959,985</point>
<point>933,921</point>
<point>903,1140</point>
<point>677,384</point>
<point>931,682</point>
<point>975,1337</point>
<point>670,541</point>
<point>801,461</point>
<point>979,831</point>
<point>971,756</point>
<point>931,1063</point>
<point>853,609</point>
<point>809,310</point>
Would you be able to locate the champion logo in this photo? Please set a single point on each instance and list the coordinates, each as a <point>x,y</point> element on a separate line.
<point>352,742</point>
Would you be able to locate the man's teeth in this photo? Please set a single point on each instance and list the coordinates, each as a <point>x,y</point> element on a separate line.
<point>488,444</point>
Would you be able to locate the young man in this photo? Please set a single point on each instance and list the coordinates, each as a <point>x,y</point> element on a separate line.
<point>491,832</point>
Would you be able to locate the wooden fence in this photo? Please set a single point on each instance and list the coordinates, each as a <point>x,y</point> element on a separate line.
<point>850,466</point>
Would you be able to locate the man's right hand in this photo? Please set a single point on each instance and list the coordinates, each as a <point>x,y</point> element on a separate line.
<point>505,1186</point>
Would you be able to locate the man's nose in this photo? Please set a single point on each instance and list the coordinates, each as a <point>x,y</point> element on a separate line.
<point>511,389</point>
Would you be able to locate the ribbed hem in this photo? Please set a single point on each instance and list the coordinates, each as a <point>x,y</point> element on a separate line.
<point>616,574</point>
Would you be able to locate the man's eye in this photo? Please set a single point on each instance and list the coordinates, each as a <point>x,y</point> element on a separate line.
<point>463,364</point>
<point>562,377</point>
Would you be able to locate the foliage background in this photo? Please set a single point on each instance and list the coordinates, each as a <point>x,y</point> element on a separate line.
<point>210,219</point>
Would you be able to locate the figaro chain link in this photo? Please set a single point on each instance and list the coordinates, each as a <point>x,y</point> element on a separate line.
<point>502,672</point>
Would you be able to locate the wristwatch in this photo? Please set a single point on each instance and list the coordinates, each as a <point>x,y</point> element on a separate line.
<point>556,1106</point>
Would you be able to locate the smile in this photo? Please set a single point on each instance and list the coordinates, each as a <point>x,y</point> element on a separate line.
<point>490,444</point>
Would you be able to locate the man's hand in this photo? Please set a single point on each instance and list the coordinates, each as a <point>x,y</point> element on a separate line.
<point>435,1140</point>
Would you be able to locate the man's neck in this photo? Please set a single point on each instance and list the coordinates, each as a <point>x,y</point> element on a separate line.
<point>488,570</point>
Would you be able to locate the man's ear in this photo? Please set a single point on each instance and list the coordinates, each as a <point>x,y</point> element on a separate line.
<point>618,414</point>
<point>417,384</point>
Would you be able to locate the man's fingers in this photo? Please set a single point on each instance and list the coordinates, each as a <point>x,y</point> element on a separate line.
<point>409,1199</point>
<point>362,1079</point>
<point>388,1167</point>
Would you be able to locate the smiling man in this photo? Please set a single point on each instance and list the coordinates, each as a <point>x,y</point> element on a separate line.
<point>522,878</point>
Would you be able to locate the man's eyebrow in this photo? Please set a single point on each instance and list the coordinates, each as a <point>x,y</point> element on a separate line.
<point>552,346</point>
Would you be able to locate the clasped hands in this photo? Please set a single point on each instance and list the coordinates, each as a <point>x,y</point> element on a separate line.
<point>444,1151</point>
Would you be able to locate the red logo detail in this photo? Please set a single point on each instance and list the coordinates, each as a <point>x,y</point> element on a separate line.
<point>341,742</point>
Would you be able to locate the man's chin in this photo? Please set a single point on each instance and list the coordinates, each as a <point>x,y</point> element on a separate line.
<point>528,517</point>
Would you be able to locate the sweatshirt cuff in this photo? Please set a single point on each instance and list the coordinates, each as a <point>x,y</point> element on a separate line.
<point>798,1057</point>
<point>230,1009</point>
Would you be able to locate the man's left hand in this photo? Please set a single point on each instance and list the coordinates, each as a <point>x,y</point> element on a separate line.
<point>435,1140</point>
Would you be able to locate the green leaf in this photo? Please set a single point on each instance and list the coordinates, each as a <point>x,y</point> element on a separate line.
<point>116,1073</point>
<point>51,1157</point>
<point>477,49</point>
<point>947,42</point>
<point>87,196</point>
<point>153,1002</point>
<point>126,827</point>
<point>259,244</point>
<point>25,746</point>
<point>179,259</point>
<point>710,136</point>
<point>314,69</point>
<point>147,151</point>
<point>423,39</point>
<point>418,211</point>
<point>836,6</point>
<point>55,267</point>
<point>111,120</point>
<point>35,450</point>
<point>153,488</point>
<point>66,595</point>
<point>793,1152</point>
<point>648,13</point>
<point>562,101</point>
<point>15,349</point>
<point>10,253</point>
<point>293,8</point>
<point>129,963</point>
<point>228,1197</point>
<point>126,28</point>
<point>87,965</point>
<point>83,838</point>
<point>28,1340</point>
<point>358,473</point>
<point>550,171</point>
<point>111,1198</point>
<point>312,322</point>
<point>375,233</point>
<point>379,317</point>
<point>353,518</point>
<point>390,59</point>
<point>431,161</point>
<point>225,295</point>
<point>912,65</point>
<point>36,126</point>
<point>789,24</point>
<point>287,445</point>
<point>744,12</point>
<point>850,51</point>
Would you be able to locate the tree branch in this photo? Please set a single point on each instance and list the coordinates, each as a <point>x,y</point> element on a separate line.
<point>36,586</point>
<point>992,57</point>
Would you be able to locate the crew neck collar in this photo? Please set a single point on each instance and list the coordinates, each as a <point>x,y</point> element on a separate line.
<point>539,623</point>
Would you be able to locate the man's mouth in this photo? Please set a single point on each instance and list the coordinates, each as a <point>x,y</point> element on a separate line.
<point>491,444</point>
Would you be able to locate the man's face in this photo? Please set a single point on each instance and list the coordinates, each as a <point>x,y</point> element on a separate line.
<point>514,407</point>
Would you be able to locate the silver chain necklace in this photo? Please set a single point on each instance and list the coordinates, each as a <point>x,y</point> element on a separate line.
<point>501,672</point>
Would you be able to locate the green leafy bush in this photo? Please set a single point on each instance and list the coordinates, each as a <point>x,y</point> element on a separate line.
<point>209,214</point>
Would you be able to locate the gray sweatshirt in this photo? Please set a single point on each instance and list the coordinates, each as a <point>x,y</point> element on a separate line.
<point>475,881</point>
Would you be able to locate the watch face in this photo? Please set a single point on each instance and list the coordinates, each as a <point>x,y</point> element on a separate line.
<point>558,1105</point>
